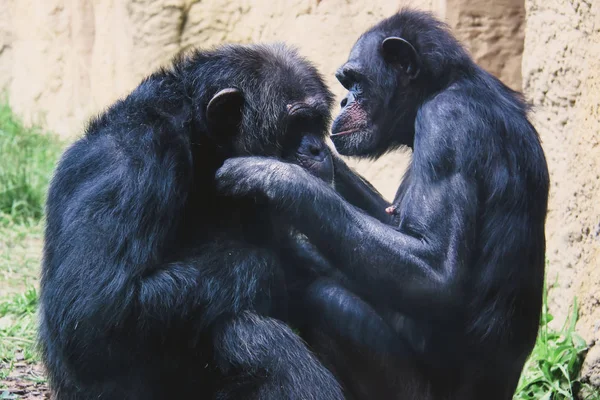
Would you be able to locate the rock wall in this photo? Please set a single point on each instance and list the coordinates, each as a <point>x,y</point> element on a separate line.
<point>6,39</point>
<point>561,76</point>
<point>494,32</point>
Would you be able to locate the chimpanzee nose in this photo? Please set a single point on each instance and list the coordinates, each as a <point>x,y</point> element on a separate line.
<point>349,99</point>
<point>312,147</point>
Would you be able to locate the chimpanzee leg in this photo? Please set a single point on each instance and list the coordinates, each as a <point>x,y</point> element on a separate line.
<point>356,343</point>
<point>261,358</point>
<point>339,312</point>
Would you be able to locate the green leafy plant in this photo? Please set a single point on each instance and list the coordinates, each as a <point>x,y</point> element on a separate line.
<point>552,371</point>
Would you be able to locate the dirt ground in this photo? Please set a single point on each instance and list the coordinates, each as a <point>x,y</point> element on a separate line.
<point>25,382</point>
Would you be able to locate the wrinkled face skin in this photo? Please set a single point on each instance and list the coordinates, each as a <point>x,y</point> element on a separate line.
<point>375,114</point>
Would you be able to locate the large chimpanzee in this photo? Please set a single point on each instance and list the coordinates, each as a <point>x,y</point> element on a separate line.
<point>452,291</point>
<point>153,285</point>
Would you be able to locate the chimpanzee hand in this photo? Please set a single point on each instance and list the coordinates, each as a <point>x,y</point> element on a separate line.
<point>264,179</point>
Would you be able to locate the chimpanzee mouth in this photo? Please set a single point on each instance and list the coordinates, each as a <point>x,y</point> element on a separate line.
<point>346,132</point>
<point>355,129</point>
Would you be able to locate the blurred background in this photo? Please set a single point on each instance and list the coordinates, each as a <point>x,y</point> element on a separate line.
<point>62,61</point>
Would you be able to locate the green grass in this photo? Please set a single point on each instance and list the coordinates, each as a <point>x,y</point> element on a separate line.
<point>552,371</point>
<point>20,255</point>
<point>28,157</point>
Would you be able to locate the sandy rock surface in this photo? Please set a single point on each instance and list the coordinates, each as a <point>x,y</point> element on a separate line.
<point>561,76</point>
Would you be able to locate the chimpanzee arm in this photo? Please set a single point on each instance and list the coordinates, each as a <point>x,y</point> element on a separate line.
<point>117,217</point>
<point>416,269</point>
<point>115,210</point>
<point>112,209</point>
<point>222,279</point>
<point>359,192</point>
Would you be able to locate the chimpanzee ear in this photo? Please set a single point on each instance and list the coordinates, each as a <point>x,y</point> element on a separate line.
<point>399,51</point>
<point>224,110</point>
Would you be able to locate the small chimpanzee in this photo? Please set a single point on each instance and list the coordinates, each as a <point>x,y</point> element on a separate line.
<point>153,285</point>
<point>452,291</point>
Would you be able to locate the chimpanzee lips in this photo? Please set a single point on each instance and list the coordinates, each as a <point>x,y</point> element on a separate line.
<point>346,132</point>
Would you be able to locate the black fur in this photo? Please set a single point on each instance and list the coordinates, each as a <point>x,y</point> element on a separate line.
<point>452,281</point>
<point>153,285</point>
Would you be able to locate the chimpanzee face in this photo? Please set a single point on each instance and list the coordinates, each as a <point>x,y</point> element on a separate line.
<point>378,106</point>
<point>281,109</point>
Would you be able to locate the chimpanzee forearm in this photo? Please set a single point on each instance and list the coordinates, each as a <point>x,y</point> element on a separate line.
<point>409,268</point>
<point>359,192</point>
<point>310,265</point>
<point>402,268</point>
<point>200,287</point>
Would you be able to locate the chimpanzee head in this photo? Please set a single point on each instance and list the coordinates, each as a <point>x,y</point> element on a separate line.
<point>267,101</point>
<point>392,69</point>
